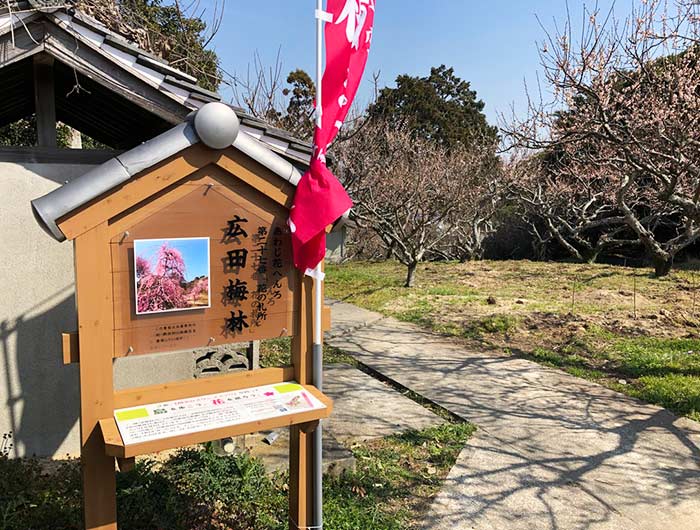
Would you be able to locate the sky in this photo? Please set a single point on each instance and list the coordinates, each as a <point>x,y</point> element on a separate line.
<point>195,253</point>
<point>492,44</point>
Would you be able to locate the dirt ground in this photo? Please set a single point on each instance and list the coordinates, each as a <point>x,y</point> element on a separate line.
<point>617,325</point>
<point>541,296</point>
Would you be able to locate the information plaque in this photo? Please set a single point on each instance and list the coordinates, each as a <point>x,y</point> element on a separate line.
<point>202,413</point>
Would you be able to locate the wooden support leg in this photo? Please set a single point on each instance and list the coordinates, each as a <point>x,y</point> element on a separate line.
<point>300,478</point>
<point>99,485</point>
<point>301,493</point>
<point>95,320</point>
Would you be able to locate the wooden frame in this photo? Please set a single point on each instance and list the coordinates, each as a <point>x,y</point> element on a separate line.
<point>93,229</point>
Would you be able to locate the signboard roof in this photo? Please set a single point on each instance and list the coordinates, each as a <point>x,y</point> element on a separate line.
<point>80,191</point>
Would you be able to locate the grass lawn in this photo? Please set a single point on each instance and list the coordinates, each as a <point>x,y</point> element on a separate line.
<point>277,352</point>
<point>390,489</point>
<point>619,326</point>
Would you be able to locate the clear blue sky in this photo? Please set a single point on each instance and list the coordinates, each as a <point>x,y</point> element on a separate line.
<point>195,252</point>
<point>491,43</point>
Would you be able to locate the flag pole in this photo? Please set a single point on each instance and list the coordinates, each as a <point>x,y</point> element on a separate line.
<point>318,297</point>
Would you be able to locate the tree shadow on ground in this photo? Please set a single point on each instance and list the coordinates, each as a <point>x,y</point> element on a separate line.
<point>43,395</point>
<point>552,451</point>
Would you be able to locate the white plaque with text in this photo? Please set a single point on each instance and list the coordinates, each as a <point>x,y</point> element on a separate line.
<point>213,411</point>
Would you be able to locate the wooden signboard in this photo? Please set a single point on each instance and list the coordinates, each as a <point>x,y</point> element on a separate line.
<point>192,252</point>
<point>250,274</point>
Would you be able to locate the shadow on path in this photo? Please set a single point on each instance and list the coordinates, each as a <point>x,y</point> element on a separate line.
<point>552,451</point>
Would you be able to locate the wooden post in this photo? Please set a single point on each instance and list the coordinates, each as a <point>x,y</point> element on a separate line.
<point>300,446</point>
<point>44,100</point>
<point>95,323</point>
<point>253,354</point>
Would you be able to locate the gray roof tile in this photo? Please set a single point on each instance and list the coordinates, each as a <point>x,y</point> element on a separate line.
<point>124,45</point>
<point>172,76</point>
<point>195,89</point>
<point>161,66</point>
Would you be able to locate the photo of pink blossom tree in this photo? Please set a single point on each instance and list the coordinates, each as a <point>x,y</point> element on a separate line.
<point>171,274</point>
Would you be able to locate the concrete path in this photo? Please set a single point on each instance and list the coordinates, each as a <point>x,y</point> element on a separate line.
<point>346,318</point>
<point>551,452</point>
<point>363,409</point>
<point>366,409</point>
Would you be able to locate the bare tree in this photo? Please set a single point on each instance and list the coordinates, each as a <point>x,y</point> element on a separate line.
<point>265,95</point>
<point>560,206</point>
<point>260,90</point>
<point>477,208</point>
<point>411,192</point>
<point>625,116</point>
<point>180,34</point>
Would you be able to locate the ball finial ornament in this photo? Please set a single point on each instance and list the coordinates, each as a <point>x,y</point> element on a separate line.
<point>217,125</point>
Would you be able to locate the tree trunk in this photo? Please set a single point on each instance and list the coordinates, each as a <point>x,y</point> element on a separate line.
<point>539,249</point>
<point>572,250</point>
<point>411,273</point>
<point>466,255</point>
<point>662,260</point>
<point>662,266</point>
<point>592,256</point>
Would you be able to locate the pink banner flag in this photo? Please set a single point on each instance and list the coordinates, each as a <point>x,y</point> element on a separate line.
<point>320,199</point>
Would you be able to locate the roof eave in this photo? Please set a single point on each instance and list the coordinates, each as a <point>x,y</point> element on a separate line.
<point>64,200</point>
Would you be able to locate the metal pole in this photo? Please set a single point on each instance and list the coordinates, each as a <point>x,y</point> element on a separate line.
<point>318,298</point>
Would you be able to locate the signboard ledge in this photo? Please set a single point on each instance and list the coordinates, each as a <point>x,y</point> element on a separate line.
<point>115,446</point>
<point>141,396</point>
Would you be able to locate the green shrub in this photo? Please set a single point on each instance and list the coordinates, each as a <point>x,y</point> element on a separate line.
<point>146,499</point>
<point>193,490</point>
<point>197,490</point>
<point>33,500</point>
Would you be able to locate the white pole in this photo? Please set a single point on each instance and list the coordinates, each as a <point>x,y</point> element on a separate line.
<point>318,298</point>
<point>318,272</point>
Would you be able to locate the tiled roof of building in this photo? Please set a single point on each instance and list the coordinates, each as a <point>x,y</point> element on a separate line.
<point>102,57</point>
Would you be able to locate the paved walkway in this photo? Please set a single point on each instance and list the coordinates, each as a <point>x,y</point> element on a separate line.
<point>551,452</point>
<point>363,409</point>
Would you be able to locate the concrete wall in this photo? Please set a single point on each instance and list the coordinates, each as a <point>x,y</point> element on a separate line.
<point>335,246</point>
<point>39,395</point>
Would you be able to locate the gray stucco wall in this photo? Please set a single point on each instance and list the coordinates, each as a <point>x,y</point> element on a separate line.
<point>39,395</point>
